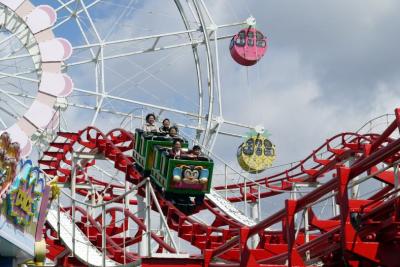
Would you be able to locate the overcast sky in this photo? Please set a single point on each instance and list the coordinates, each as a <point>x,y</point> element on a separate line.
<point>330,67</point>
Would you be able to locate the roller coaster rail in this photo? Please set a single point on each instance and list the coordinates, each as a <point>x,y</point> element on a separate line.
<point>340,203</point>
<point>307,240</point>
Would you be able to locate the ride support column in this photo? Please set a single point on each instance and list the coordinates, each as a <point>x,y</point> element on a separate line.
<point>256,217</point>
<point>144,213</point>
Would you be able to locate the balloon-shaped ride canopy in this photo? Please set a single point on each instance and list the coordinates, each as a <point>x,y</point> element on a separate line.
<point>256,154</point>
<point>248,46</point>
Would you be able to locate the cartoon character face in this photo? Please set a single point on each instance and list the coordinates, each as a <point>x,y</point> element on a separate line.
<point>190,175</point>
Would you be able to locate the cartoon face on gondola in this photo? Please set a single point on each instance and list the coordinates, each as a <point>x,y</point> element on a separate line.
<point>190,174</point>
<point>256,154</point>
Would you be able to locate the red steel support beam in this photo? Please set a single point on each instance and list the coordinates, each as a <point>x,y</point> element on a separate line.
<point>293,256</point>
<point>395,124</point>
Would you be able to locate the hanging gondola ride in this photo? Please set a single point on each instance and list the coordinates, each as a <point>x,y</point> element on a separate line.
<point>257,153</point>
<point>249,45</point>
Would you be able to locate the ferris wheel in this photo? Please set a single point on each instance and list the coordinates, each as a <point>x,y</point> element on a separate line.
<point>129,58</point>
<point>31,70</point>
<point>68,65</point>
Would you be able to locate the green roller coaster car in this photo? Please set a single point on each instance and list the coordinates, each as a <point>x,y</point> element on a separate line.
<point>183,176</point>
<point>144,147</point>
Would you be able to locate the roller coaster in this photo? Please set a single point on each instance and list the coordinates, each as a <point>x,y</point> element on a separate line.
<point>362,231</point>
<point>118,199</point>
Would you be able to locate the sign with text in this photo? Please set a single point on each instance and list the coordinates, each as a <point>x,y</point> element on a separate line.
<point>24,198</point>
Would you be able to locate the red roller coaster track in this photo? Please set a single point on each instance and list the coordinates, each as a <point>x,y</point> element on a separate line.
<point>365,232</point>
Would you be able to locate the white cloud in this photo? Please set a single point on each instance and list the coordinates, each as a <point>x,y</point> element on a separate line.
<point>326,70</point>
<point>387,98</point>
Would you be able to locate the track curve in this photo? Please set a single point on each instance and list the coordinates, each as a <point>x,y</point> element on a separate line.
<point>346,238</point>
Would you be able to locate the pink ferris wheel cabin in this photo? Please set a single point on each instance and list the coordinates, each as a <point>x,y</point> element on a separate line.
<point>248,46</point>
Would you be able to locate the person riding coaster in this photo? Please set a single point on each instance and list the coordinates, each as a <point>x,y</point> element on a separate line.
<point>182,176</point>
<point>173,131</point>
<point>165,126</point>
<point>195,152</point>
<point>176,150</point>
<point>150,125</point>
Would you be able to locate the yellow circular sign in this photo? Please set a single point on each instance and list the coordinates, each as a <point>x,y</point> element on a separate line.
<point>256,154</point>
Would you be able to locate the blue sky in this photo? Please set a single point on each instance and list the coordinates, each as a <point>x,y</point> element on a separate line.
<point>330,67</point>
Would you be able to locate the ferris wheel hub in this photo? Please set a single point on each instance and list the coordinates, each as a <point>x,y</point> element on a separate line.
<point>61,104</point>
<point>251,21</point>
<point>259,129</point>
<point>212,27</point>
<point>219,120</point>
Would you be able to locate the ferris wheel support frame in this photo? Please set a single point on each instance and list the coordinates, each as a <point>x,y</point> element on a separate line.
<point>209,117</point>
<point>207,28</point>
<point>197,64</point>
<point>32,27</point>
<point>219,119</point>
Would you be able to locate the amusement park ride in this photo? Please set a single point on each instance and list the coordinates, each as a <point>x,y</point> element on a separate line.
<point>118,198</point>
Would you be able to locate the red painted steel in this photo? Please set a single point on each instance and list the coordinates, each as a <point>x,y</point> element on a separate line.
<point>365,233</point>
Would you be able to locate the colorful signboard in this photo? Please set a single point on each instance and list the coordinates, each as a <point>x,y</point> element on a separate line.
<point>25,194</point>
<point>24,198</point>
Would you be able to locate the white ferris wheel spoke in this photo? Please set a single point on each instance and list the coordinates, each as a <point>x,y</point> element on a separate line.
<point>96,50</point>
<point>11,111</point>
<point>14,98</point>
<point>97,110</point>
<point>19,94</point>
<point>144,70</point>
<point>141,38</point>
<point>118,20</point>
<point>143,51</point>
<point>76,13</point>
<point>86,39</point>
<point>90,20</point>
<point>64,5</point>
<point>137,85</point>
<point>140,103</point>
<point>95,57</point>
<point>4,74</point>
<point>3,123</point>
<point>10,57</point>
<point>10,37</point>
